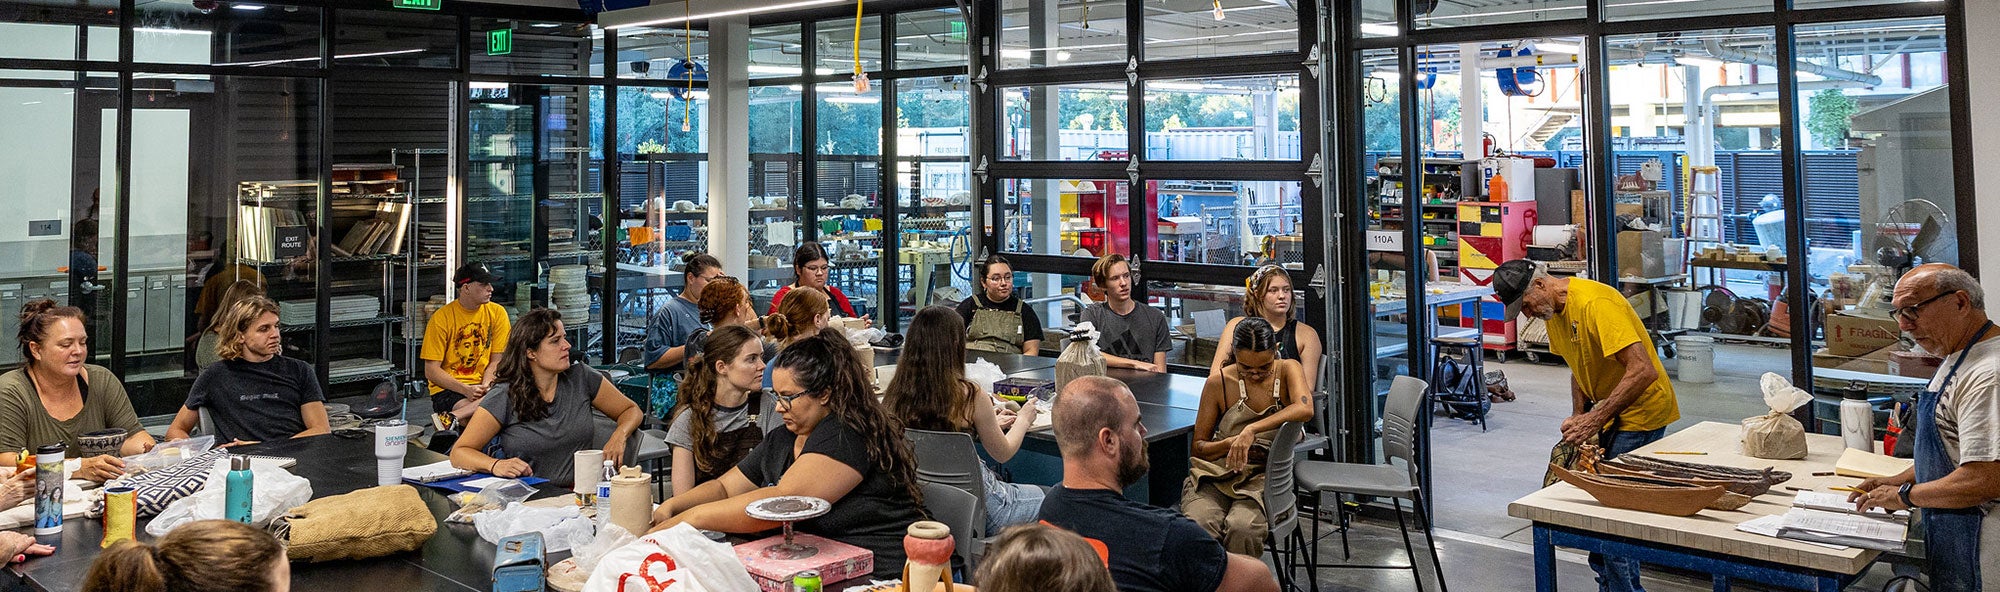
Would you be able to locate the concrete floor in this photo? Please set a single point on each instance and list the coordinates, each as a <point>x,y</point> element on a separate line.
<point>1476,474</point>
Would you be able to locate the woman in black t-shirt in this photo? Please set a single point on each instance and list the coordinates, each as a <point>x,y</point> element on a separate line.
<point>837,445</point>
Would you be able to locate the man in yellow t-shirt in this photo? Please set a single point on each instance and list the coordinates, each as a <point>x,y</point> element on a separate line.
<point>1620,397</point>
<point>463,344</point>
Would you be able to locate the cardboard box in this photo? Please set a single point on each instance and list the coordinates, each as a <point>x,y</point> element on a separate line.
<point>1874,362</point>
<point>836,562</point>
<point>1913,364</point>
<point>1856,336</point>
<point>1641,254</point>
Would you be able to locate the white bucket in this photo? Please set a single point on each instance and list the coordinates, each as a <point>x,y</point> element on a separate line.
<point>1696,355</point>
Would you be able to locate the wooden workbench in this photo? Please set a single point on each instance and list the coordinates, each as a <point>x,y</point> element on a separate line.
<point>1708,541</point>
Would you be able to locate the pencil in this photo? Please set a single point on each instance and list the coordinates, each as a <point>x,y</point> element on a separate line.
<point>1677,452</point>
<point>1846,488</point>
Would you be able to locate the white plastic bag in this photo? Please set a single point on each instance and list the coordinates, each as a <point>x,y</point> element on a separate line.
<point>274,491</point>
<point>695,563</point>
<point>1777,435</point>
<point>168,454</point>
<point>984,374</point>
<point>560,526</point>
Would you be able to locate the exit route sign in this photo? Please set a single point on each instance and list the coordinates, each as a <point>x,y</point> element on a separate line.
<point>418,4</point>
<point>500,42</point>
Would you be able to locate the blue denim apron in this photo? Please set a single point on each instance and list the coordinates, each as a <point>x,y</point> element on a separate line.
<point>1951,536</point>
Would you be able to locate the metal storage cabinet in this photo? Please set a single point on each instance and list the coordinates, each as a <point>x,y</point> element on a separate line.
<point>1491,233</point>
<point>12,297</point>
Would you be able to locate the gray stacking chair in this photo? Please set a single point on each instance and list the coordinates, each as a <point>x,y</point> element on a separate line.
<point>1400,422</point>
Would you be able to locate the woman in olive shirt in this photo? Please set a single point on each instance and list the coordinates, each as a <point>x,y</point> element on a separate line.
<point>56,397</point>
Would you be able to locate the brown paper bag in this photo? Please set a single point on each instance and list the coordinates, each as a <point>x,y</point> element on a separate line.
<point>1775,435</point>
<point>367,523</point>
<point>1079,359</point>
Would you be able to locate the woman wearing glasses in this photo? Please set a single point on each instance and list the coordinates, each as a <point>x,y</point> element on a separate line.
<point>838,445</point>
<point>930,392</point>
<point>810,266</point>
<point>995,319</point>
<point>1241,408</point>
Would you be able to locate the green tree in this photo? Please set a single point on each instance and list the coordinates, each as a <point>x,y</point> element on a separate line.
<point>1830,114</point>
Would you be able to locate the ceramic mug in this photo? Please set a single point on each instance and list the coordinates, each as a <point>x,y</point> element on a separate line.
<point>100,443</point>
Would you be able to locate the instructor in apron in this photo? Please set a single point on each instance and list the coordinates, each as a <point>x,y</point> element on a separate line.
<point>996,320</point>
<point>1956,480</point>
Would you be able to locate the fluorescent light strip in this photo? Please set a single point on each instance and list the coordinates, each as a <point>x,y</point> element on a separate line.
<point>313,59</point>
<point>673,18</point>
<point>853,100</point>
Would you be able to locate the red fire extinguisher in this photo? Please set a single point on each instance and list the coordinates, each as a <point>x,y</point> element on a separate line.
<point>1487,141</point>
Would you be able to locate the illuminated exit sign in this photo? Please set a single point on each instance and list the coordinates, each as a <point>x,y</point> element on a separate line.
<point>418,4</point>
<point>500,42</point>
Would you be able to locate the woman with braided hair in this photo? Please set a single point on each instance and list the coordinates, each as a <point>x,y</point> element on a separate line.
<point>838,445</point>
<point>724,411</point>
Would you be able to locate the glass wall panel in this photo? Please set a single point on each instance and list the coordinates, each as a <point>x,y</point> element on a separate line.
<point>1226,222</point>
<point>1079,217</point>
<point>1378,18</point>
<point>931,38</point>
<point>225,191</point>
<point>58,173</point>
<point>545,48</point>
<point>849,149</point>
<point>934,186</point>
<point>1694,135</point>
<point>662,53</point>
<point>86,29</point>
<point>1065,122</point>
<point>1874,117</point>
<point>1178,29</point>
<point>1243,118</point>
<point>203,33</point>
<point>396,39</point>
<point>777,183</point>
<point>775,51</point>
<point>1384,194</point>
<point>1471,14</point>
<point>837,41</point>
<point>1039,33</point>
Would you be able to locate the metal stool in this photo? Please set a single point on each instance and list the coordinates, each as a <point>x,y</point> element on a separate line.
<point>1460,396</point>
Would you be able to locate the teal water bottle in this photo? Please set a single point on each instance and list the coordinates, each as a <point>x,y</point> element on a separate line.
<point>239,504</point>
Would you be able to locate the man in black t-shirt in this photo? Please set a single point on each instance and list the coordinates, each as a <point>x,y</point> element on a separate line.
<point>1148,548</point>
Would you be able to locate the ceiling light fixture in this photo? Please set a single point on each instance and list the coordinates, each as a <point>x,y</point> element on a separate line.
<point>698,10</point>
<point>1558,47</point>
<point>1380,29</point>
<point>252,7</point>
<point>1688,60</point>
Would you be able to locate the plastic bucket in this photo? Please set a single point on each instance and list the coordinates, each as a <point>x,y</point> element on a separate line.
<point>1696,355</point>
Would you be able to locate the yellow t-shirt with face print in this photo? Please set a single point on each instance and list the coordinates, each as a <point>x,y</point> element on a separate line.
<point>464,341</point>
<point>1595,324</point>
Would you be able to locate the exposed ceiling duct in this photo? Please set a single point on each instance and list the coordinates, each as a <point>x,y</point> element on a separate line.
<point>1718,51</point>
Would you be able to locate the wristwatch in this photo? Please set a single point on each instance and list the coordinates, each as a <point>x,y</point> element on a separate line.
<point>1904,493</point>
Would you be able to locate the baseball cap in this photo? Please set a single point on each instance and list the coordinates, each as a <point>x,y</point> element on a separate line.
<point>1510,283</point>
<point>472,272</point>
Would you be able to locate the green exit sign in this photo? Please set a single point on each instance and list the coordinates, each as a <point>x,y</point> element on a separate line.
<point>418,4</point>
<point>957,31</point>
<point>500,42</point>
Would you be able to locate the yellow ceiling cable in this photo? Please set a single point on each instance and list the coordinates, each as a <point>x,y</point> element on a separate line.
<point>860,77</point>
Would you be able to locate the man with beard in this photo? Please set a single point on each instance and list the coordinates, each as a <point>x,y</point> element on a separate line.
<point>1620,398</point>
<point>1148,548</point>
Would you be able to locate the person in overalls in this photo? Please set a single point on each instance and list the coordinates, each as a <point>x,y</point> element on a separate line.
<point>725,412</point>
<point>996,320</point>
<point>1242,407</point>
<point>1956,480</point>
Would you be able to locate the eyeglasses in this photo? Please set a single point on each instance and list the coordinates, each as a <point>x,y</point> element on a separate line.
<point>784,399</point>
<point>818,268</point>
<point>1000,278</point>
<point>1909,313</point>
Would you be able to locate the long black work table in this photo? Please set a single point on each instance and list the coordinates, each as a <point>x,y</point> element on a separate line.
<point>454,559</point>
<point>1008,363</point>
<point>1167,406</point>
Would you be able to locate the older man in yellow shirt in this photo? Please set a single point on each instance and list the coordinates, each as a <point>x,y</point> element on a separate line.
<point>1619,394</point>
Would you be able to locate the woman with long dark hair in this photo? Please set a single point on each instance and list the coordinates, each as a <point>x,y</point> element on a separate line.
<point>810,267</point>
<point>930,392</point>
<point>540,406</point>
<point>724,411</point>
<point>1224,492</point>
<point>838,445</point>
